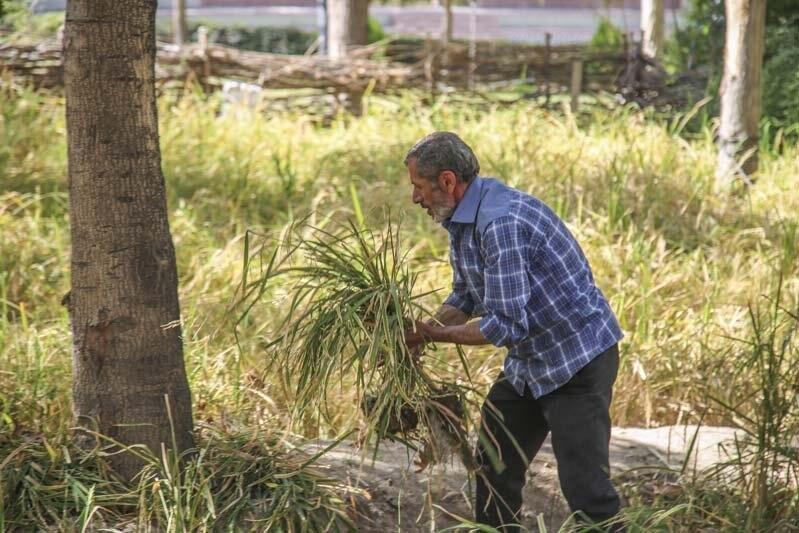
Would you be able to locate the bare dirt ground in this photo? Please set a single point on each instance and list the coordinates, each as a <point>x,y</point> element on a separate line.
<point>397,498</point>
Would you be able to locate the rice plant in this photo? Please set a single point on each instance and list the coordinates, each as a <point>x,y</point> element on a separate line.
<point>351,299</point>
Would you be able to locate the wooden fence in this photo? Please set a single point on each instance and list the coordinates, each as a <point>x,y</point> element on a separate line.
<point>383,67</point>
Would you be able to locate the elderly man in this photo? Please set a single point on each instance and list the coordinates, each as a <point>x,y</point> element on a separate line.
<point>517,267</point>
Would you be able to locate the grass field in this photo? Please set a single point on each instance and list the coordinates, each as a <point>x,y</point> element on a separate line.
<point>692,274</point>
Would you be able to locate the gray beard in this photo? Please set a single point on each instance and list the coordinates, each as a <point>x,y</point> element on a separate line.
<point>442,212</point>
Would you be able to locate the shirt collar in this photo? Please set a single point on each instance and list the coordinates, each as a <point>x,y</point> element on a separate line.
<point>466,210</point>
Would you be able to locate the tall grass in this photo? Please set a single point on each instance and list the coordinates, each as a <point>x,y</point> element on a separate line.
<point>756,488</point>
<point>679,263</point>
<point>765,405</point>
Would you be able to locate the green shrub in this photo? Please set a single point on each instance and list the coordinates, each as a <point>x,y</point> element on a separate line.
<point>375,31</point>
<point>257,38</point>
<point>16,18</point>
<point>781,75</point>
<point>263,38</point>
<point>607,35</point>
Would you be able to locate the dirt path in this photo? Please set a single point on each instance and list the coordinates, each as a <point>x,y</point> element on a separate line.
<point>399,499</point>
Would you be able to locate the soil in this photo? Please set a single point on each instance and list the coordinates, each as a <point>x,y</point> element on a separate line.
<point>394,497</point>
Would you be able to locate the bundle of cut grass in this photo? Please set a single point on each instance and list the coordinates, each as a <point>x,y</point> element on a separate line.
<point>351,300</point>
<point>234,480</point>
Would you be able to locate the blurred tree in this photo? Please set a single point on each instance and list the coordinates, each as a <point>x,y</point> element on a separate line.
<point>652,27</point>
<point>698,44</point>
<point>446,22</point>
<point>123,304</point>
<point>179,21</point>
<point>347,26</point>
<point>740,89</point>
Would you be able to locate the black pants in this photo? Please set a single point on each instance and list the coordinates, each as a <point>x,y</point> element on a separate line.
<point>577,415</point>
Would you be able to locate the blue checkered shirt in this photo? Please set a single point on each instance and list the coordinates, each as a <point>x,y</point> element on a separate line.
<point>516,265</point>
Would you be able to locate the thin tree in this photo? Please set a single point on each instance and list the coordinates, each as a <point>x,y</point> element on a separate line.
<point>741,89</point>
<point>446,22</point>
<point>652,27</point>
<point>179,21</point>
<point>123,303</point>
<point>347,26</point>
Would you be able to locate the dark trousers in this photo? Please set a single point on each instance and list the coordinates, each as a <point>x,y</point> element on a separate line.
<point>514,427</point>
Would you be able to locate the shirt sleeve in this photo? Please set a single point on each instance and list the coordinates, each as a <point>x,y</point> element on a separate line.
<point>507,251</point>
<point>460,297</point>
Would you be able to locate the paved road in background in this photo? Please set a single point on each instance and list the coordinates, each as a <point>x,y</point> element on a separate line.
<point>567,25</point>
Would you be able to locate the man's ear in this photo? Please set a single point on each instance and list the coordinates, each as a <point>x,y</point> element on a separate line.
<point>447,181</point>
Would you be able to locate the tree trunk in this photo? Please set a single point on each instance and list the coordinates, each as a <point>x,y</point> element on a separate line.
<point>179,21</point>
<point>123,304</point>
<point>740,89</point>
<point>347,26</point>
<point>652,27</point>
<point>446,22</point>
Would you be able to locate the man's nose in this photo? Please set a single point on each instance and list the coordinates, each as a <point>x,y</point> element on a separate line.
<point>416,197</point>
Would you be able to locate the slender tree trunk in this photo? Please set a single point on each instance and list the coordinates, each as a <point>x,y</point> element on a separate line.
<point>123,303</point>
<point>179,21</point>
<point>446,22</point>
<point>359,23</point>
<point>347,26</point>
<point>740,89</point>
<point>652,16</point>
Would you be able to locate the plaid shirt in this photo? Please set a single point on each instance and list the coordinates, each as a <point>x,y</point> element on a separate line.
<point>516,264</point>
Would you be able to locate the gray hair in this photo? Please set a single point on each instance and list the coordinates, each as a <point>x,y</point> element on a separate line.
<point>440,151</point>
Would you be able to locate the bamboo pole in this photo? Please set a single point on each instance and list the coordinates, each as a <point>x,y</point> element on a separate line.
<point>472,44</point>
<point>576,84</point>
<point>547,53</point>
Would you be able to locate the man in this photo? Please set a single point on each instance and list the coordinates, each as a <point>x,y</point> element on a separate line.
<point>517,266</point>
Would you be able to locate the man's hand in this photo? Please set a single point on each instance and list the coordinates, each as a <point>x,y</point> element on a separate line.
<point>416,337</point>
<point>449,325</point>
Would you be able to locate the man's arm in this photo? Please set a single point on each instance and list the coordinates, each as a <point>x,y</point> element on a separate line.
<point>451,325</point>
<point>507,292</point>
<point>465,333</point>
<point>447,315</point>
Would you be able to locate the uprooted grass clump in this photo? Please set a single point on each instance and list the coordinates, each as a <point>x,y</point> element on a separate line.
<point>234,479</point>
<point>350,299</point>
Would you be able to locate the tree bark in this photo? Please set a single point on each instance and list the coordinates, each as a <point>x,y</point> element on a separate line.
<point>347,26</point>
<point>652,27</point>
<point>123,303</point>
<point>179,21</point>
<point>740,90</point>
<point>446,22</point>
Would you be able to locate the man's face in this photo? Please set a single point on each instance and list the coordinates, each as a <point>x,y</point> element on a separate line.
<point>439,203</point>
